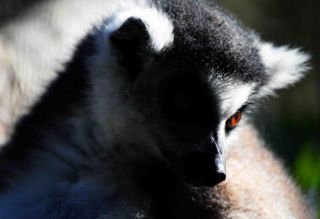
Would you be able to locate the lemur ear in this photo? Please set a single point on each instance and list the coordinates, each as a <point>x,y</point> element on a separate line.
<point>284,66</point>
<point>131,39</point>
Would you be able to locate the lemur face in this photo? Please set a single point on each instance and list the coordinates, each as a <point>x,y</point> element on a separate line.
<point>184,110</point>
<point>176,89</point>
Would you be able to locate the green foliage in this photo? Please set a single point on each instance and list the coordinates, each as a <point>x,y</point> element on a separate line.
<point>307,172</point>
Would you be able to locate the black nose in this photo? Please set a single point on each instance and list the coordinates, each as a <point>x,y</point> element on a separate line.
<point>204,166</point>
<point>202,170</point>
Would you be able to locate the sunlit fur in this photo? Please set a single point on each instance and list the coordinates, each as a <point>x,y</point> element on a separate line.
<point>35,45</point>
<point>257,185</point>
<point>284,65</point>
<point>92,147</point>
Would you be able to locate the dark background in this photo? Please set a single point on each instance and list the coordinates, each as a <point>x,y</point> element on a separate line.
<point>290,123</point>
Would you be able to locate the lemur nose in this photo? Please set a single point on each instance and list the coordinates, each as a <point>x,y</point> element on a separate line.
<point>206,166</point>
<point>220,177</point>
<point>203,170</point>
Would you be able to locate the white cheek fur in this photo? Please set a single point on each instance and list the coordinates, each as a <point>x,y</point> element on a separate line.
<point>233,97</point>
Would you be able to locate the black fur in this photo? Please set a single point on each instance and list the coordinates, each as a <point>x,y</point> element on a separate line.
<point>206,34</point>
<point>62,97</point>
<point>132,40</point>
<point>206,42</point>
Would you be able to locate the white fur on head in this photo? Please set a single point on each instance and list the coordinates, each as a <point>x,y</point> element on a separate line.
<point>233,96</point>
<point>284,66</point>
<point>113,115</point>
<point>157,23</point>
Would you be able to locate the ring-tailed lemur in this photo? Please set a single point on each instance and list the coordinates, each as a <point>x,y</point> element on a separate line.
<point>143,118</point>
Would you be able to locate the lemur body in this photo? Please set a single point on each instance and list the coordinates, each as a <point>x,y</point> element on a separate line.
<point>139,125</point>
<point>53,26</point>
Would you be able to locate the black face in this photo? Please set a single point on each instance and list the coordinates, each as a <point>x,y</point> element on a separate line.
<point>183,109</point>
<point>174,94</point>
<point>172,90</point>
<point>185,98</point>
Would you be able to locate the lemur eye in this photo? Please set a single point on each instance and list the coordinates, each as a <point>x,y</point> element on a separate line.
<point>233,121</point>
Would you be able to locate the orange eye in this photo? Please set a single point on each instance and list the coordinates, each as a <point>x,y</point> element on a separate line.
<point>234,120</point>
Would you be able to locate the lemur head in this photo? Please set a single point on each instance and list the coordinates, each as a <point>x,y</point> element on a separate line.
<point>176,84</point>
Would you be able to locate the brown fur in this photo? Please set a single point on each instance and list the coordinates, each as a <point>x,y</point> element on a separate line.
<point>257,186</point>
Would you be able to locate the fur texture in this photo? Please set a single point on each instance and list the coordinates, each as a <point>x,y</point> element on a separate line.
<point>137,126</point>
<point>35,45</point>
<point>284,66</point>
<point>257,186</point>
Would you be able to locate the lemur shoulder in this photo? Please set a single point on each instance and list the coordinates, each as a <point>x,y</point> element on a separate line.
<point>144,122</point>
